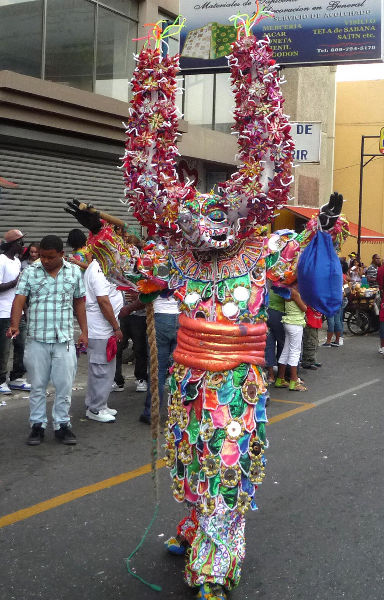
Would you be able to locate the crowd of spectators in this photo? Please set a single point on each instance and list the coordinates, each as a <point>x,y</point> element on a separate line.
<point>42,288</point>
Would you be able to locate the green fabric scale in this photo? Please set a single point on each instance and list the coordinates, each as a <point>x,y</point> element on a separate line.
<point>192,390</point>
<point>261,432</point>
<point>245,463</point>
<point>238,405</point>
<point>214,484</point>
<point>180,469</point>
<point>193,427</point>
<point>201,287</point>
<point>194,467</point>
<point>216,442</point>
<point>229,495</point>
<point>239,375</point>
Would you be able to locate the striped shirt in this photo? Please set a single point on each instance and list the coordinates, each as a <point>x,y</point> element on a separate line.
<point>50,312</point>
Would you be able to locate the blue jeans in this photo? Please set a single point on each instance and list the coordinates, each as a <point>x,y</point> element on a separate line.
<point>50,362</point>
<point>335,323</point>
<point>166,334</point>
<point>275,338</point>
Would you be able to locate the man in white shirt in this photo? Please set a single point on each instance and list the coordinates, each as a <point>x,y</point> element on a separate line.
<point>103,304</point>
<point>9,273</point>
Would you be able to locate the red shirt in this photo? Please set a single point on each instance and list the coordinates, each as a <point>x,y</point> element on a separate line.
<point>380,277</point>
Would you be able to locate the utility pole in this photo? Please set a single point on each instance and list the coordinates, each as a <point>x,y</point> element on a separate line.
<point>362,165</point>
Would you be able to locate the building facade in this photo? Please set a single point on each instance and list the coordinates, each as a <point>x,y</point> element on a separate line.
<point>65,67</point>
<point>360,112</point>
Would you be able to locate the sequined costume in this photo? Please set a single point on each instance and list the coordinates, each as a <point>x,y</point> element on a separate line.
<point>216,257</point>
<point>215,437</point>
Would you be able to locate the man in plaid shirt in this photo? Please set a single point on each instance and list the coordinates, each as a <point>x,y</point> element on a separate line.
<point>55,290</point>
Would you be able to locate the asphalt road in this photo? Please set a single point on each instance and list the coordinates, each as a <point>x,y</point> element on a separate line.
<point>317,536</point>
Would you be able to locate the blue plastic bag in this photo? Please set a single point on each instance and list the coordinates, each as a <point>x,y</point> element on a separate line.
<point>319,275</point>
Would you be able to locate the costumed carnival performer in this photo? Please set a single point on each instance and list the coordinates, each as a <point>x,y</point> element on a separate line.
<point>216,258</point>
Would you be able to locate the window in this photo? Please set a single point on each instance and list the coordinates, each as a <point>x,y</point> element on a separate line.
<point>70,43</point>
<point>130,8</point>
<point>21,32</point>
<point>224,103</point>
<point>208,101</point>
<point>114,58</point>
<point>198,100</point>
<point>87,44</point>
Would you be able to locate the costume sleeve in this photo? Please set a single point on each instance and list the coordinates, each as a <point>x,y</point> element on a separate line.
<point>154,269</point>
<point>23,285</point>
<point>80,256</point>
<point>284,247</point>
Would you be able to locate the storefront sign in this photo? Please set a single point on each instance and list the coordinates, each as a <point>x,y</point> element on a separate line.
<point>307,138</point>
<point>302,32</point>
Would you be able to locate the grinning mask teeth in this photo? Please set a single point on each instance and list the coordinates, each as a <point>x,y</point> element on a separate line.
<point>206,222</point>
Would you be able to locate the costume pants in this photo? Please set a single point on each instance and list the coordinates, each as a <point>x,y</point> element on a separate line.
<point>100,375</point>
<point>166,336</point>
<point>275,338</point>
<point>133,327</point>
<point>217,549</point>
<point>50,362</point>
<point>18,369</point>
<point>310,344</point>
<point>292,345</point>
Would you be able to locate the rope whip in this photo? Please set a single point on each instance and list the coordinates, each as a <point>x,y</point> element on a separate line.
<point>155,433</point>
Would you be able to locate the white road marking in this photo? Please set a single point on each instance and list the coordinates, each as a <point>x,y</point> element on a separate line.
<point>345,392</point>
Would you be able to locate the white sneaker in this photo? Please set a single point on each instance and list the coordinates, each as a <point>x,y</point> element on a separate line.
<point>4,389</point>
<point>381,350</point>
<point>20,384</point>
<point>341,342</point>
<point>117,388</point>
<point>111,411</point>
<point>141,385</point>
<point>103,416</point>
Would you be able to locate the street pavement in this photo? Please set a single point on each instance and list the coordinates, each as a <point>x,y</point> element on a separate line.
<point>65,530</point>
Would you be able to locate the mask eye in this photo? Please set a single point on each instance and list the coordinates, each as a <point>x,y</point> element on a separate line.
<point>217,215</point>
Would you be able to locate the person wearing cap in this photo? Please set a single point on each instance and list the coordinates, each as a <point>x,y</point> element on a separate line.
<point>10,267</point>
<point>352,256</point>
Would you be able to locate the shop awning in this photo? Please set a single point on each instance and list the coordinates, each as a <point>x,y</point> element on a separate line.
<point>7,184</point>
<point>369,236</point>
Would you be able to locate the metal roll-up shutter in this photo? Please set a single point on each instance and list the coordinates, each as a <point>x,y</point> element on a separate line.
<point>47,180</point>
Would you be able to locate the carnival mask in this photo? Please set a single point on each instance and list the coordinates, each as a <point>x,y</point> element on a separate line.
<point>208,222</point>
